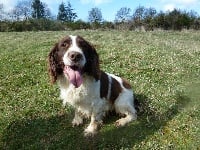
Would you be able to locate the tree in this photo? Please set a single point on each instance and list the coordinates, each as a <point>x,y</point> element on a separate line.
<point>71,16</point>
<point>95,15</point>
<point>123,14</point>
<point>138,15</point>
<point>2,12</point>
<point>47,12</point>
<point>15,14</point>
<point>160,20</point>
<point>62,14</point>
<point>22,10</point>
<point>149,15</point>
<point>65,13</point>
<point>174,19</point>
<point>38,9</point>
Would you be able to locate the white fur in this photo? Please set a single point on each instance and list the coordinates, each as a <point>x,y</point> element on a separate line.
<point>86,100</point>
<point>88,104</point>
<point>109,86</point>
<point>124,104</point>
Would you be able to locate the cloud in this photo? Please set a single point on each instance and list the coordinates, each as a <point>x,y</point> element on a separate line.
<point>7,4</point>
<point>52,2</point>
<point>185,2</point>
<point>95,2</point>
<point>169,7</point>
<point>181,2</point>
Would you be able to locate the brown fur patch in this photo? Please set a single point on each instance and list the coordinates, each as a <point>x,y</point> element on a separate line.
<point>104,85</point>
<point>115,90</point>
<point>126,84</point>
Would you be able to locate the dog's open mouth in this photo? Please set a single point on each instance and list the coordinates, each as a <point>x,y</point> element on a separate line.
<point>74,75</point>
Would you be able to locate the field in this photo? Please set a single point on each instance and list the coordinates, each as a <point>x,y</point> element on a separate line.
<point>162,67</point>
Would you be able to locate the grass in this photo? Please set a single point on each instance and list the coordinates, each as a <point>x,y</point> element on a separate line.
<point>163,68</point>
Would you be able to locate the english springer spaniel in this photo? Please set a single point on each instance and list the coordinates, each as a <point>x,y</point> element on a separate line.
<point>74,64</point>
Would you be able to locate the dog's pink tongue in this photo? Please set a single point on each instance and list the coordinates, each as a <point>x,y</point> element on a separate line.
<point>74,76</point>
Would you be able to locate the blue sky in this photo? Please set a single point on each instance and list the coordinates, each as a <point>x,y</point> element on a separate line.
<point>109,8</point>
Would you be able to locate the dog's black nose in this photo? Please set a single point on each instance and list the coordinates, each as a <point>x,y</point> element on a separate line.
<point>75,56</point>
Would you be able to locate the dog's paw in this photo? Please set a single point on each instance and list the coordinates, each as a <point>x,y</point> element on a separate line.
<point>89,132</point>
<point>64,103</point>
<point>77,122</point>
<point>121,122</point>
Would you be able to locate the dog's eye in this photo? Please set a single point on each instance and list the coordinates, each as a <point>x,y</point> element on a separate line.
<point>64,44</point>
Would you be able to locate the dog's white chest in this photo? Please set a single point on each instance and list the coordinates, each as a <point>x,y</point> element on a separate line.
<point>84,95</point>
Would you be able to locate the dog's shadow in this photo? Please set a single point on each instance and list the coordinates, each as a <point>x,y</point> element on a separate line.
<point>57,133</point>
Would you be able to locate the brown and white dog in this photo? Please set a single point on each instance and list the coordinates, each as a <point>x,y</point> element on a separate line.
<point>74,64</point>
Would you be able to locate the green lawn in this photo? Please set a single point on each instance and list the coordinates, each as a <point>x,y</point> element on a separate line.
<point>163,68</point>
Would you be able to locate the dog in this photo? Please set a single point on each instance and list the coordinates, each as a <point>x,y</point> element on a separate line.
<point>74,64</point>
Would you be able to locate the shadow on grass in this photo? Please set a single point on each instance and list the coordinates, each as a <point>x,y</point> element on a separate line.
<point>56,132</point>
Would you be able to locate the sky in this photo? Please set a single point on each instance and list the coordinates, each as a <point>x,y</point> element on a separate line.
<point>109,8</point>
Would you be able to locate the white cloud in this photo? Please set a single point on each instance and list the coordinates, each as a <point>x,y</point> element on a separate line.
<point>53,2</point>
<point>169,7</point>
<point>95,2</point>
<point>7,4</point>
<point>185,2</point>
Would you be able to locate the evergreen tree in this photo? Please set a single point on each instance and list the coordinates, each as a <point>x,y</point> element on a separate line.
<point>38,9</point>
<point>62,14</point>
<point>71,16</point>
<point>65,13</point>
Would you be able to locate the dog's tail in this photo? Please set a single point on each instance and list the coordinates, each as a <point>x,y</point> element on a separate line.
<point>137,104</point>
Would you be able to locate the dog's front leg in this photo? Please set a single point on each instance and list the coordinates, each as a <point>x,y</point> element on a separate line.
<point>93,126</point>
<point>78,120</point>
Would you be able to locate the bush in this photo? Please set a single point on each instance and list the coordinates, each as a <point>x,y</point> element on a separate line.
<point>4,26</point>
<point>78,25</point>
<point>42,25</point>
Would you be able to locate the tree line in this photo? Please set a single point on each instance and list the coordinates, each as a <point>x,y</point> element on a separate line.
<point>34,15</point>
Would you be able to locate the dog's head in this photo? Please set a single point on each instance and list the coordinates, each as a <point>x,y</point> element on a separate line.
<point>73,56</point>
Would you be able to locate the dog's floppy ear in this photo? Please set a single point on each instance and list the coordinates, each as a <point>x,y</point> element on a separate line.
<point>92,59</point>
<point>93,63</point>
<point>55,64</point>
